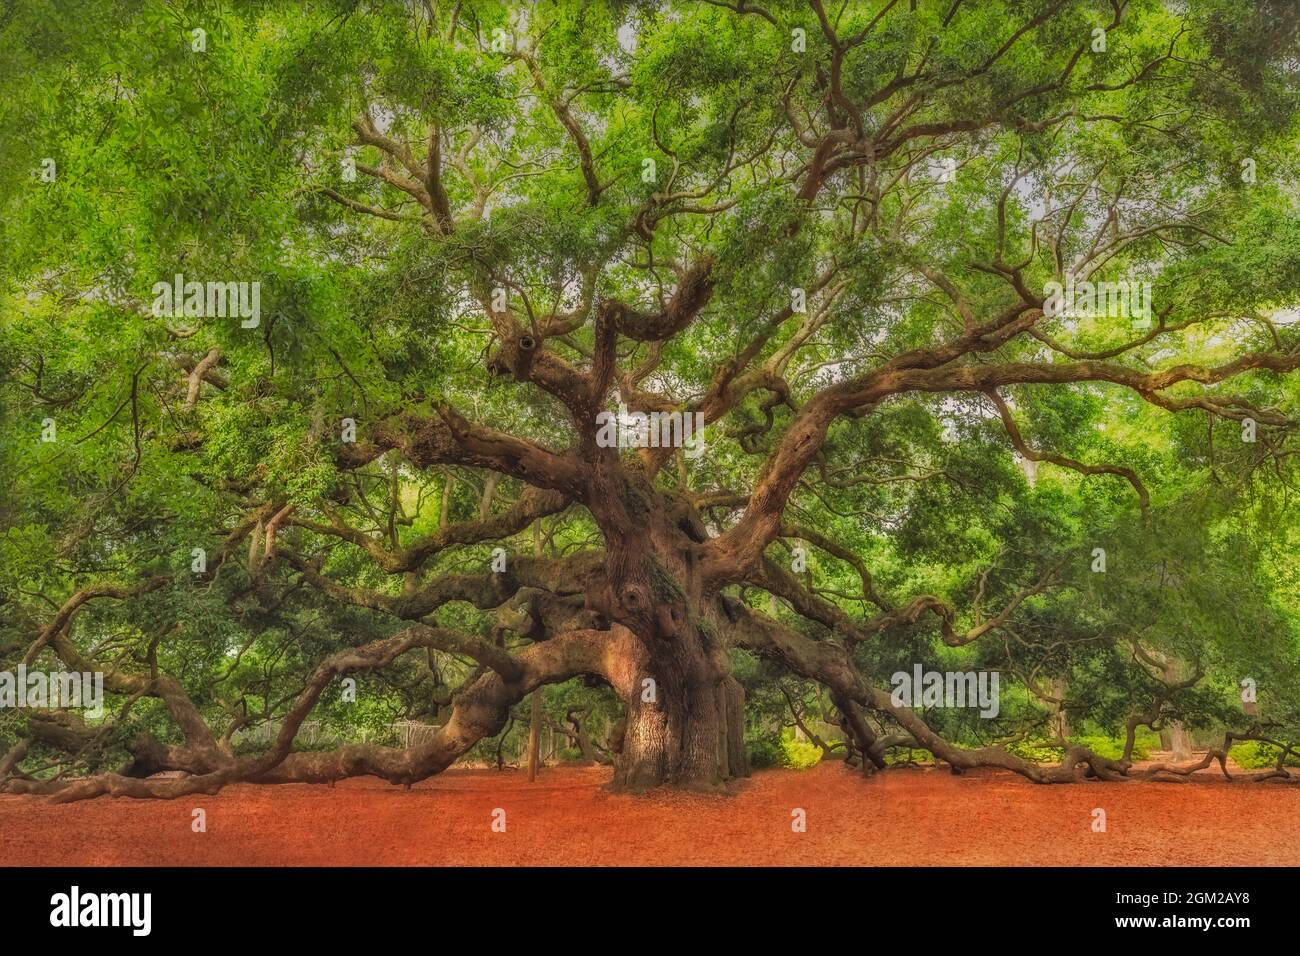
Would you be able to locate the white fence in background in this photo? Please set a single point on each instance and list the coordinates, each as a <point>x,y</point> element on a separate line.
<point>412,733</point>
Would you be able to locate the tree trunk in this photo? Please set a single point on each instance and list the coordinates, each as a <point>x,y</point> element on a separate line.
<point>534,734</point>
<point>1061,720</point>
<point>686,730</point>
<point>676,729</point>
<point>581,736</point>
<point>672,739</point>
<point>734,728</point>
<point>1180,743</point>
<point>535,717</point>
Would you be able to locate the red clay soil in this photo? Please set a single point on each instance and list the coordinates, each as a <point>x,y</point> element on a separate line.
<point>900,818</point>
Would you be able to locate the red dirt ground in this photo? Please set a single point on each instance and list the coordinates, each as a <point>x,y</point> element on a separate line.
<point>903,817</point>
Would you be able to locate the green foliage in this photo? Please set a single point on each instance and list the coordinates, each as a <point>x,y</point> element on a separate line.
<point>1038,752</point>
<point>1112,748</point>
<point>764,750</point>
<point>1256,755</point>
<point>799,754</point>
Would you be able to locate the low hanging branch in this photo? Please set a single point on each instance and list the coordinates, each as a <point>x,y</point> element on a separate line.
<point>1013,432</point>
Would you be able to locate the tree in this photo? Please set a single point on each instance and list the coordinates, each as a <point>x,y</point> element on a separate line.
<point>507,256</point>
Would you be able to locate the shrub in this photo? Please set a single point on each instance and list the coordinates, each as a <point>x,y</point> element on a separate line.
<point>1256,755</point>
<point>1036,751</point>
<point>764,750</point>
<point>1112,748</point>
<point>799,754</point>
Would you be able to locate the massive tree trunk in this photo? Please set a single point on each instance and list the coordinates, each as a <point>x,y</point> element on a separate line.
<point>677,729</point>
<point>681,715</point>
